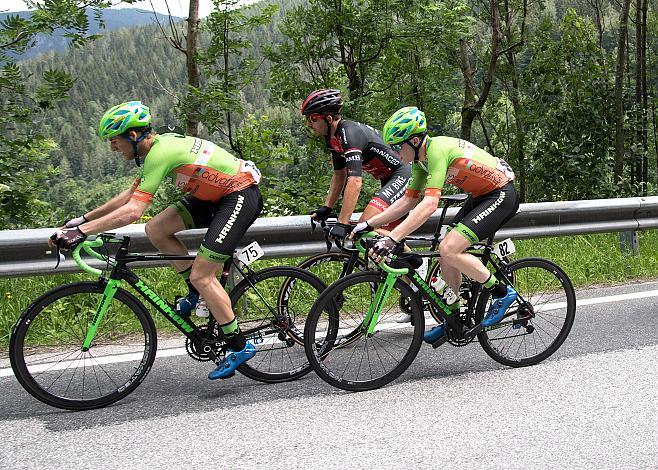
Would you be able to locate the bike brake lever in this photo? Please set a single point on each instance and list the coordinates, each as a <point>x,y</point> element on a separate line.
<point>58,254</point>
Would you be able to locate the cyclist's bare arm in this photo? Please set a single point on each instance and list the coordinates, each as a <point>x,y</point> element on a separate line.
<point>417,216</point>
<point>336,187</point>
<point>113,204</point>
<point>119,217</point>
<point>350,198</point>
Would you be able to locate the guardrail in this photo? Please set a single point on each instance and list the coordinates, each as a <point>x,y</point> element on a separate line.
<point>24,252</point>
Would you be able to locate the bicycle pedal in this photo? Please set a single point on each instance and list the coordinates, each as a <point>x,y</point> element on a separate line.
<point>470,334</point>
<point>439,341</point>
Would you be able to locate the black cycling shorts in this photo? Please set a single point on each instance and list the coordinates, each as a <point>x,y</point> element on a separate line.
<point>481,217</point>
<point>227,220</point>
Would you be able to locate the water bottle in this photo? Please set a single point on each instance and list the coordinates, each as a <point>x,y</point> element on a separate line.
<point>202,308</point>
<point>444,290</point>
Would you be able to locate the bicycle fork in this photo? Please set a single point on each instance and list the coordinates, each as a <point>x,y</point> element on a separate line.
<point>375,309</point>
<point>110,289</point>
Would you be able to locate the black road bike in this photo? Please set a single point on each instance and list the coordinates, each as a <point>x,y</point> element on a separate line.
<point>88,344</point>
<point>353,342</point>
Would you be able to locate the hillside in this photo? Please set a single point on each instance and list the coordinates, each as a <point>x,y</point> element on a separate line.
<point>113,20</point>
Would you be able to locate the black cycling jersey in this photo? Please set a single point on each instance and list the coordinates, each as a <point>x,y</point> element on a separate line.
<point>358,146</point>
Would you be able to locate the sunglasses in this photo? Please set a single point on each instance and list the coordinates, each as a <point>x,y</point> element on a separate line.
<point>314,117</point>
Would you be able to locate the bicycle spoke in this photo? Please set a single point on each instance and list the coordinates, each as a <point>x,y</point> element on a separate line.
<point>544,290</point>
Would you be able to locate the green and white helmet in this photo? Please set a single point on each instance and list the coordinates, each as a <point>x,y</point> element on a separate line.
<point>122,117</point>
<point>404,124</point>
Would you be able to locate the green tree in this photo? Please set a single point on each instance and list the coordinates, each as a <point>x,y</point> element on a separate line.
<point>23,152</point>
<point>228,66</point>
<point>569,113</point>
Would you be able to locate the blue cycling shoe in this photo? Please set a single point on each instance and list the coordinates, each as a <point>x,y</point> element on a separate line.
<point>185,305</point>
<point>226,367</point>
<point>499,306</point>
<point>435,333</point>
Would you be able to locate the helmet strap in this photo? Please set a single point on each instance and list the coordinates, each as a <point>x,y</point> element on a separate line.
<point>417,147</point>
<point>136,142</point>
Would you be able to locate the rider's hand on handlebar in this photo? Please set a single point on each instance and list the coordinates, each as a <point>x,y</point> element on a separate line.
<point>320,214</point>
<point>340,231</point>
<point>67,239</point>
<point>360,229</point>
<point>383,247</point>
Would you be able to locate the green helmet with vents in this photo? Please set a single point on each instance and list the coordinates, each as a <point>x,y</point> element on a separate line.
<point>122,117</point>
<point>404,124</point>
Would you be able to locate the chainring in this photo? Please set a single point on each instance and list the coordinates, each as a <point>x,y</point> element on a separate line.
<point>212,338</point>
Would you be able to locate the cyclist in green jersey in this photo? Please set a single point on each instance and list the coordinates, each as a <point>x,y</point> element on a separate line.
<point>436,161</point>
<point>223,196</point>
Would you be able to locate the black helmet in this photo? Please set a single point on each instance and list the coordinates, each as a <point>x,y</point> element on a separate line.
<point>326,101</point>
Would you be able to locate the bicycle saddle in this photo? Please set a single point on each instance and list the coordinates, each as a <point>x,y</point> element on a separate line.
<point>455,198</point>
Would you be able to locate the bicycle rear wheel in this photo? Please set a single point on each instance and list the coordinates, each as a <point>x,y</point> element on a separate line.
<point>46,347</point>
<point>337,345</point>
<point>538,322</point>
<point>271,305</point>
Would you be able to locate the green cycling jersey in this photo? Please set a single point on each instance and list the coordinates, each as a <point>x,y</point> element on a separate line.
<point>460,163</point>
<point>198,167</point>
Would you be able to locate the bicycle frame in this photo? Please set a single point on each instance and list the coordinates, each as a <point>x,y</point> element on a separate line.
<point>428,293</point>
<point>120,272</point>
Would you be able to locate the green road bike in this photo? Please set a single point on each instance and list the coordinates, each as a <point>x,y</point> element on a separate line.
<point>88,344</point>
<point>353,343</point>
<point>332,265</point>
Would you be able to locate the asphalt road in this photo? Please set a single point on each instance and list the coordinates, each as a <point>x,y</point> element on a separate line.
<point>594,404</point>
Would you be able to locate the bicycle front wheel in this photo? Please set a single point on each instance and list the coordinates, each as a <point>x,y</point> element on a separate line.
<point>271,305</point>
<point>331,266</point>
<point>538,322</point>
<point>46,347</point>
<point>336,340</point>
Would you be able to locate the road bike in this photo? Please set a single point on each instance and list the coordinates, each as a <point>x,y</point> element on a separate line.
<point>353,343</point>
<point>88,344</point>
<point>332,265</point>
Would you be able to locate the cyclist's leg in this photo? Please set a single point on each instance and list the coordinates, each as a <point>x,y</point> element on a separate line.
<point>160,231</point>
<point>187,213</point>
<point>488,214</point>
<point>451,274</point>
<point>481,219</point>
<point>234,215</point>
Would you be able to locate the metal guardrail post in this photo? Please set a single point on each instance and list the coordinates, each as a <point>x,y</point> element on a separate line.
<point>629,243</point>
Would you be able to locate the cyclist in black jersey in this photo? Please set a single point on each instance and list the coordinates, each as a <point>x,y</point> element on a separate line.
<point>354,147</point>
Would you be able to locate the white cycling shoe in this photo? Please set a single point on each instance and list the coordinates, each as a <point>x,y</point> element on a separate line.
<point>403,318</point>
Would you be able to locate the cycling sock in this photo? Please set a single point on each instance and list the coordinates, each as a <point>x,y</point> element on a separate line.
<point>496,288</point>
<point>234,337</point>
<point>185,274</point>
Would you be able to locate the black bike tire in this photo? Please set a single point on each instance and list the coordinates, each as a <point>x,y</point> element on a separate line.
<point>239,290</point>
<point>23,323</point>
<point>331,257</point>
<point>564,331</point>
<point>323,303</point>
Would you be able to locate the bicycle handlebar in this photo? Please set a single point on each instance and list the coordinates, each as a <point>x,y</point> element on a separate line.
<point>360,245</point>
<point>88,246</point>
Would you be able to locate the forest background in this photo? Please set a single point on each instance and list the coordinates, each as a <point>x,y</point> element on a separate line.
<point>565,91</point>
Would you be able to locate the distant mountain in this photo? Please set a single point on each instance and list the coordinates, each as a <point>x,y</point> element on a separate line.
<point>114,19</point>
